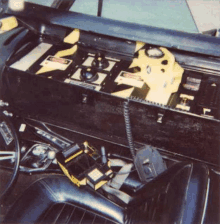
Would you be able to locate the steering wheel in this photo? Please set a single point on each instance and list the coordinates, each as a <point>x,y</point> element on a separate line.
<point>9,154</point>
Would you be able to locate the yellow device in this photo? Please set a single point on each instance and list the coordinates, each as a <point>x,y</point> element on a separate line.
<point>162,74</point>
<point>82,165</point>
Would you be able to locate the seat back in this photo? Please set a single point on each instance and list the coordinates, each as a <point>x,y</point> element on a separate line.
<point>179,195</point>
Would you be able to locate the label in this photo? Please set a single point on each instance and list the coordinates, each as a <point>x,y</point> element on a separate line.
<point>56,63</point>
<point>130,79</point>
<point>86,85</point>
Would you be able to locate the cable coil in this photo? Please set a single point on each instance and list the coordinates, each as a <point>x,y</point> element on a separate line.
<point>128,128</point>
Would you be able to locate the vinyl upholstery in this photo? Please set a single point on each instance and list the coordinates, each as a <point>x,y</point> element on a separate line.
<point>176,196</point>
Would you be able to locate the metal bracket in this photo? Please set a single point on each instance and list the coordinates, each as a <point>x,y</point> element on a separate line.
<point>160,116</point>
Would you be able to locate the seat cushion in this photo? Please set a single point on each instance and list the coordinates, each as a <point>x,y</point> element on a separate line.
<point>56,196</point>
<point>179,195</point>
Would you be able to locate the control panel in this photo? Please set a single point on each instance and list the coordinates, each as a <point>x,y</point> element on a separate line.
<point>124,69</point>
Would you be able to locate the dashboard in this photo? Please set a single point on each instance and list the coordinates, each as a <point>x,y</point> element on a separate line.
<point>121,68</point>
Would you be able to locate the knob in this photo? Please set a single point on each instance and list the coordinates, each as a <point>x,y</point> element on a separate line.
<point>100,61</point>
<point>103,153</point>
<point>89,74</point>
<point>51,155</point>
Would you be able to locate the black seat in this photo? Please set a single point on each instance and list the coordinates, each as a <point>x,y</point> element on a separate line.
<point>179,195</point>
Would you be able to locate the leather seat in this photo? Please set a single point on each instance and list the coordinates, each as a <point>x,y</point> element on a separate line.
<point>179,195</point>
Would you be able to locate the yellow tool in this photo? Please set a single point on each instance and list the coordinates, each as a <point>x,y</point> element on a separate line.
<point>82,164</point>
<point>162,75</point>
<point>8,23</point>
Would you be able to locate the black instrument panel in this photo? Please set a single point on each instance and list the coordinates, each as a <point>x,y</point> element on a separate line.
<point>109,72</point>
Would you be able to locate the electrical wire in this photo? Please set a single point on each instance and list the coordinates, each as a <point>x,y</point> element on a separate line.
<point>128,129</point>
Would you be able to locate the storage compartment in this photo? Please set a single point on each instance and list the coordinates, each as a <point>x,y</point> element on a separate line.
<point>82,83</point>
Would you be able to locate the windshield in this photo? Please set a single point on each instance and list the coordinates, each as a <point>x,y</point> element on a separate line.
<point>168,14</point>
<point>160,13</point>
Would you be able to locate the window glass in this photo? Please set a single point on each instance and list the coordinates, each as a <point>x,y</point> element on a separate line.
<point>160,13</point>
<point>169,14</point>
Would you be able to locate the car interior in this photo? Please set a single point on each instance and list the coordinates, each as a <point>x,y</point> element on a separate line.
<point>106,121</point>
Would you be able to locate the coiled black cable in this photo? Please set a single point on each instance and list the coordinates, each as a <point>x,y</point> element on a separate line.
<point>128,129</point>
